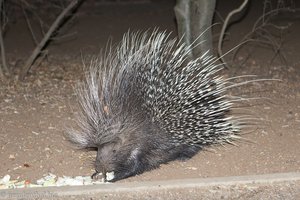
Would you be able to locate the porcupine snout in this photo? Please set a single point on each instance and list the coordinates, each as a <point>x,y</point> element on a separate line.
<point>104,164</point>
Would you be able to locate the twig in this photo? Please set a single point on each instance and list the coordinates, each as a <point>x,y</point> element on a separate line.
<point>262,35</point>
<point>46,38</point>
<point>66,36</point>
<point>265,17</point>
<point>32,9</point>
<point>29,26</point>
<point>2,48</point>
<point>239,9</point>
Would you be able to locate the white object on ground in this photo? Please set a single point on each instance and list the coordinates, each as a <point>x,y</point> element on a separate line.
<point>52,180</point>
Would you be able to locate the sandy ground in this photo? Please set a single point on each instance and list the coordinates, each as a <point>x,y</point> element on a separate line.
<point>35,113</point>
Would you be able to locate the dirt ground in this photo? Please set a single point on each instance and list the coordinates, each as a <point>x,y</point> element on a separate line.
<point>35,113</point>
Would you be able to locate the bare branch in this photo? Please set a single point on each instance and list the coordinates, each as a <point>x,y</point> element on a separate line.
<point>29,26</point>
<point>260,33</point>
<point>46,38</point>
<point>239,9</point>
<point>2,48</point>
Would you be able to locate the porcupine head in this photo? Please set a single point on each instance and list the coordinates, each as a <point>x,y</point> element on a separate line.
<point>140,106</point>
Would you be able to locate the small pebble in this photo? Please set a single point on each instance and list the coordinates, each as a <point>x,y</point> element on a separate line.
<point>52,180</point>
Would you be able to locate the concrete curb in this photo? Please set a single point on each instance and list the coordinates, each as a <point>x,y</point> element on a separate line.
<point>283,185</point>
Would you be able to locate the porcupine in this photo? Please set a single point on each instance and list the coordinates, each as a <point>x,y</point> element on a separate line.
<point>144,102</point>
